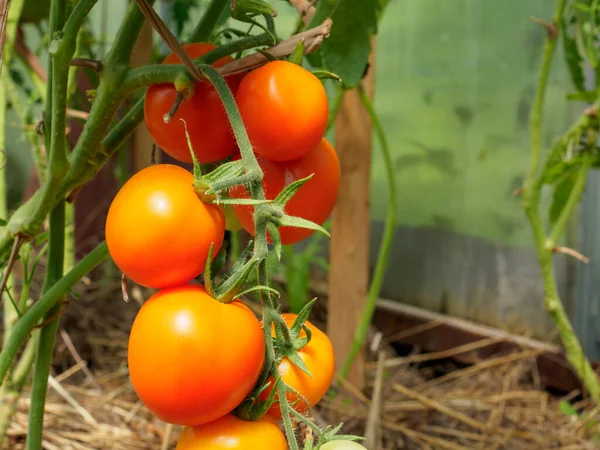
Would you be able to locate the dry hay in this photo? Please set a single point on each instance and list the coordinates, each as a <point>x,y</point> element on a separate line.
<point>495,404</point>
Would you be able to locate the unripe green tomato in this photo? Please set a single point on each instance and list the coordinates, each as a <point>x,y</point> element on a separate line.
<point>343,445</point>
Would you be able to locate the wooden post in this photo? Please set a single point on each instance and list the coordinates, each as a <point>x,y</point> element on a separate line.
<point>349,249</point>
<point>141,141</point>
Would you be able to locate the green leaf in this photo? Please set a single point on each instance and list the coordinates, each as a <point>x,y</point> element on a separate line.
<point>298,362</point>
<point>583,96</point>
<point>181,13</point>
<point>298,222</point>
<point>298,54</point>
<point>303,316</point>
<point>562,191</point>
<point>573,57</point>
<point>346,51</point>
<point>290,190</point>
<point>241,201</point>
<point>275,238</point>
<point>567,408</point>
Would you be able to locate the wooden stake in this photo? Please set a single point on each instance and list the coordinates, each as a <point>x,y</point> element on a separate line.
<point>142,142</point>
<point>349,251</point>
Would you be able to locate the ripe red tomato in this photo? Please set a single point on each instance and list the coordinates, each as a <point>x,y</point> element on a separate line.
<point>320,361</point>
<point>231,433</point>
<point>158,231</point>
<point>191,358</point>
<point>314,201</point>
<point>285,110</point>
<point>208,126</point>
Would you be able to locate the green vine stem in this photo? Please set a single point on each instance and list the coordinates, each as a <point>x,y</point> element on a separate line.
<point>32,317</point>
<point>537,111</point>
<point>252,179</point>
<point>531,205</point>
<point>45,349</point>
<point>10,393</point>
<point>62,49</point>
<point>386,241</point>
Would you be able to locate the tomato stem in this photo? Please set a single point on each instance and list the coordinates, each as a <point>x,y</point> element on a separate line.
<point>531,191</point>
<point>30,319</point>
<point>45,349</point>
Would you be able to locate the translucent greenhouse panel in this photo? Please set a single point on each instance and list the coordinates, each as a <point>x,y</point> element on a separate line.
<point>455,83</point>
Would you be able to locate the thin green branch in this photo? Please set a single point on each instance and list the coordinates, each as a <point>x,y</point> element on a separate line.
<point>24,326</point>
<point>572,202</point>
<point>537,110</point>
<point>62,49</point>
<point>168,73</point>
<point>126,37</point>
<point>45,349</point>
<point>386,241</point>
<point>531,204</point>
<point>9,395</point>
<point>209,21</point>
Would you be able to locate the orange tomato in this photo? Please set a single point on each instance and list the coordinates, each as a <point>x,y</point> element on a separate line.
<point>158,231</point>
<point>314,201</point>
<point>191,358</point>
<point>285,110</point>
<point>231,433</point>
<point>319,359</point>
<point>208,126</point>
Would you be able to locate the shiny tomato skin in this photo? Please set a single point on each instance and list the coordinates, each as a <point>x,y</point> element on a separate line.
<point>343,445</point>
<point>285,110</point>
<point>320,361</point>
<point>207,123</point>
<point>314,201</point>
<point>231,433</point>
<point>191,358</point>
<point>158,231</point>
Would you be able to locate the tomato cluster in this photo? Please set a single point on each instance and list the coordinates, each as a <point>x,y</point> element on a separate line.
<point>192,358</point>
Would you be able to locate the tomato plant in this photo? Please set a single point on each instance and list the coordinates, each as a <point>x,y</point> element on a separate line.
<point>232,433</point>
<point>152,227</point>
<point>193,359</point>
<point>343,445</point>
<point>285,110</point>
<point>319,359</point>
<point>208,127</point>
<point>323,162</point>
<point>196,354</point>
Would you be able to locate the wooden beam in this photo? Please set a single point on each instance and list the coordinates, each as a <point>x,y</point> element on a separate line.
<point>434,332</point>
<point>349,252</point>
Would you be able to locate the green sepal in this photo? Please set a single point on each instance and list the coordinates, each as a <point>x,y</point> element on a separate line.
<point>241,201</point>
<point>275,239</point>
<point>219,261</point>
<point>301,319</point>
<point>298,54</point>
<point>298,222</point>
<point>295,359</point>
<point>208,280</point>
<point>245,10</point>
<point>227,292</point>
<point>290,190</point>
<point>258,289</point>
<point>226,170</point>
<point>326,75</point>
<point>270,57</point>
